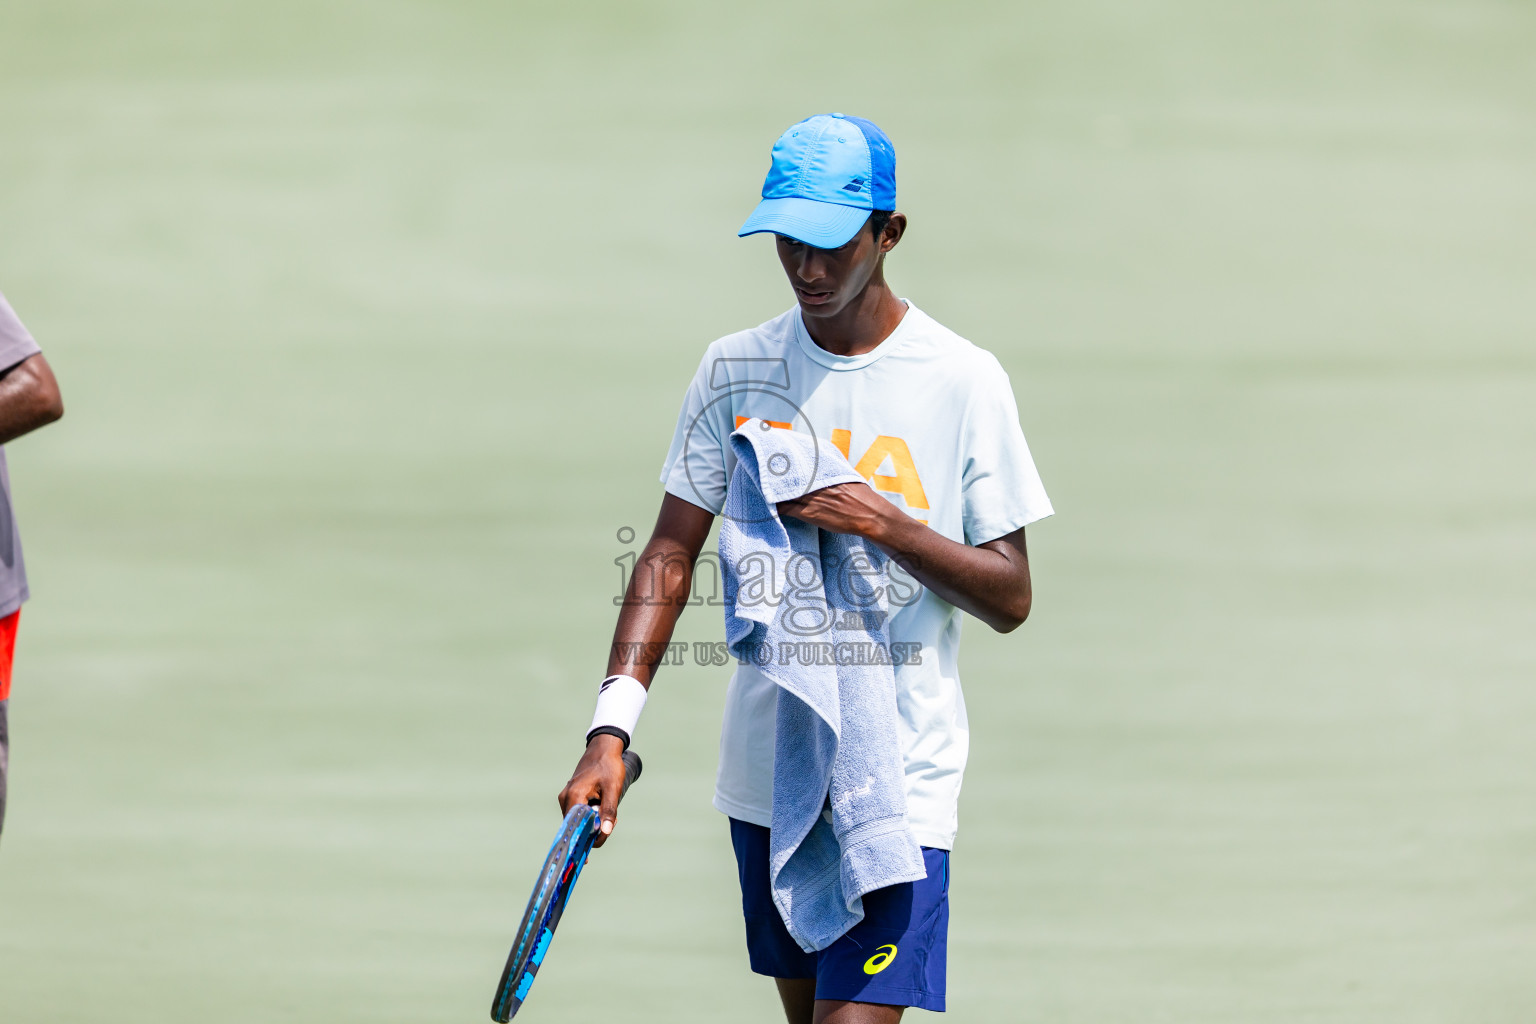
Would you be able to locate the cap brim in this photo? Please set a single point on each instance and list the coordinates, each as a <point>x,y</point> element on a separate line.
<point>823,225</point>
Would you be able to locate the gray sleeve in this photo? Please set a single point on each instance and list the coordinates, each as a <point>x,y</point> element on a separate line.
<point>15,343</point>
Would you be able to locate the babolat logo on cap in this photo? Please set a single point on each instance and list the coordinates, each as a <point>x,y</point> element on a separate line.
<point>825,175</point>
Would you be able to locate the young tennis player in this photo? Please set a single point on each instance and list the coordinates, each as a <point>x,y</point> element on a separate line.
<point>29,398</point>
<point>929,420</point>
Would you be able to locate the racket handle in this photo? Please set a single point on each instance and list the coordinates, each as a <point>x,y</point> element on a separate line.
<point>632,768</point>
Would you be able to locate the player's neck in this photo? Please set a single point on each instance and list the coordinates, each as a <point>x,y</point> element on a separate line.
<point>860,326</point>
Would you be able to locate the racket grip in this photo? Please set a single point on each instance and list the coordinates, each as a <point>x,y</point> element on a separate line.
<point>632,768</point>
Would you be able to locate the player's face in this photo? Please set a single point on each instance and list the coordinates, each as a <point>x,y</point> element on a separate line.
<point>827,280</point>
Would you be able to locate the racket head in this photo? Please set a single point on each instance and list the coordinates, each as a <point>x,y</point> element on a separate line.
<point>567,855</point>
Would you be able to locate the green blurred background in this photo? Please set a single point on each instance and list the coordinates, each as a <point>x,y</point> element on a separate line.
<point>372,320</point>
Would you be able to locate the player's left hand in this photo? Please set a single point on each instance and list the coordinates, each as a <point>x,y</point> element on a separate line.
<point>846,508</point>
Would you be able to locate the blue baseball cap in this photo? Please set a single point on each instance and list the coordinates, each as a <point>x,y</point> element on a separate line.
<point>828,173</point>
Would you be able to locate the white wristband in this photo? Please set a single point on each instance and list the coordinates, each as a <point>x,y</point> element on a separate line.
<point>619,702</point>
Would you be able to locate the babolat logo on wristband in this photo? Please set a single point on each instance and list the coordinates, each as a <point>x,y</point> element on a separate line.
<point>620,700</point>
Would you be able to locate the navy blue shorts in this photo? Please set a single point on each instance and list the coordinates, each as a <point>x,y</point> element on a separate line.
<point>894,956</point>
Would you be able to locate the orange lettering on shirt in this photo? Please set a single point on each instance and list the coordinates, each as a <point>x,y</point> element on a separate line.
<point>904,482</point>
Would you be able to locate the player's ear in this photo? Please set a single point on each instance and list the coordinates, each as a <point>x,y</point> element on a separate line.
<point>894,229</point>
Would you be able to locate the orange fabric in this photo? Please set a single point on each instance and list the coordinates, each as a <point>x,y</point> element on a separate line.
<point>7,650</point>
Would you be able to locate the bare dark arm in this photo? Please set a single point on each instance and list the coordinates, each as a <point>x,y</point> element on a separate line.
<point>660,589</point>
<point>990,581</point>
<point>657,594</point>
<point>29,398</point>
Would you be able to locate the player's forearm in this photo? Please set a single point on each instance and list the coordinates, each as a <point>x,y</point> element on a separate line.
<point>657,593</point>
<point>659,589</point>
<point>991,581</point>
<point>29,398</point>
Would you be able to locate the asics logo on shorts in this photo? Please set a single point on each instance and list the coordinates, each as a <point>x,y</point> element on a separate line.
<point>881,960</point>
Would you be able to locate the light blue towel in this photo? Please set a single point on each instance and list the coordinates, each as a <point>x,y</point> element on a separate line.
<point>798,601</point>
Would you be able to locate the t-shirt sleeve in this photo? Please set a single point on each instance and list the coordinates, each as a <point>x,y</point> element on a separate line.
<point>15,343</point>
<point>696,465</point>
<point>1000,488</point>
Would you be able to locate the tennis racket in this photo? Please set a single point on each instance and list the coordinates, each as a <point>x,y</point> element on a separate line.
<point>567,856</point>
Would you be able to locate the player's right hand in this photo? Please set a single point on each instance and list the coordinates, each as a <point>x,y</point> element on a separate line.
<point>598,779</point>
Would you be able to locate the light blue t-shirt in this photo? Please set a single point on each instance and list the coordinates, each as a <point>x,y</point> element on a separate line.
<point>930,421</point>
